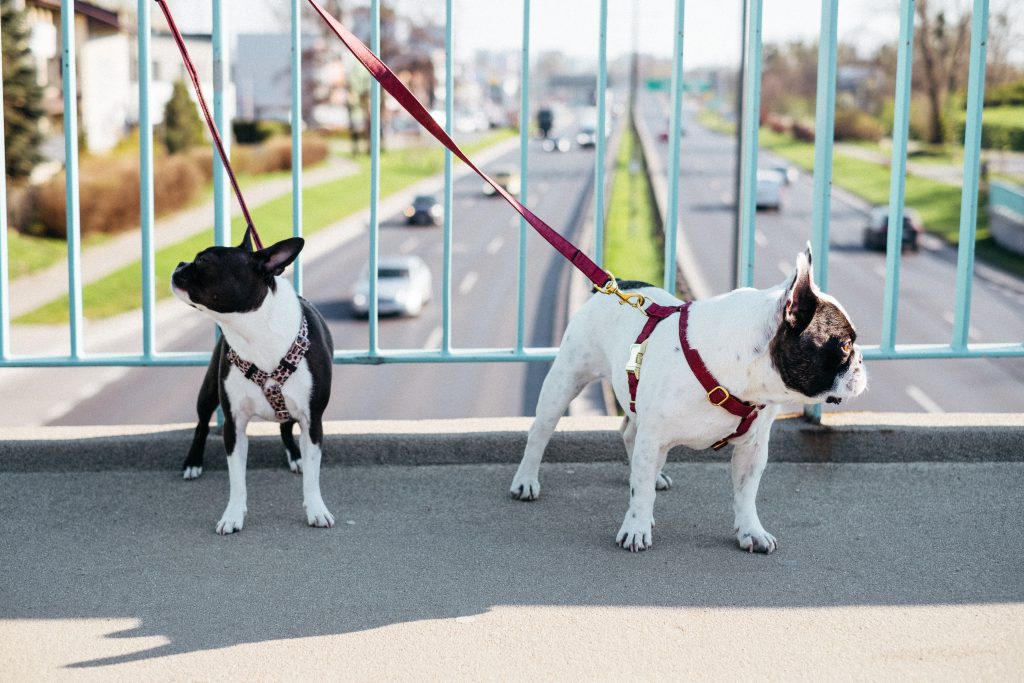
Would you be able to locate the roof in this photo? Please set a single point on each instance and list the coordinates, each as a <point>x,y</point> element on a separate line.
<point>87,9</point>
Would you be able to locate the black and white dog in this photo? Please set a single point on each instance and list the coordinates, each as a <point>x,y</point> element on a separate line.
<point>273,361</point>
<point>789,344</point>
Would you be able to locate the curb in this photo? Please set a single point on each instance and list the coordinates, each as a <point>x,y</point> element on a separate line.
<point>841,438</point>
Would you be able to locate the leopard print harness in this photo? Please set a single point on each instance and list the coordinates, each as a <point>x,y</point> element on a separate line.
<point>284,370</point>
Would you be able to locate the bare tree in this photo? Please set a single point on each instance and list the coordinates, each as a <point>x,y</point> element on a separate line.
<point>942,39</point>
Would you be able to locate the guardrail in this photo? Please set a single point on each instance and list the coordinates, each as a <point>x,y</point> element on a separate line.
<point>888,348</point>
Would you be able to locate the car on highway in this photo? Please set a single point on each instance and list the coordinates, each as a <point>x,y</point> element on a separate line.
<point>876,232</point>
<point>768,194</point>
<point>424,210</point>
<point>788,174</point>
<point>507,179</point>
<point>403,287</point>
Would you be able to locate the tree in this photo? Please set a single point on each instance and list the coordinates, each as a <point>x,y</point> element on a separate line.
<point>943,43</point>
<point>23,97</point>
<point>182,126</point>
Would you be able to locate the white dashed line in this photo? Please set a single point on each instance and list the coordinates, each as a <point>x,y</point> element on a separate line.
<point>761,240</point>
<point>468,282</point>
<point>880,270</point>
<point>922,399</point>
<point>972,331</point>
<point>785,268</point>
<point>408,245</point>
<point>434,339</point>
<point>495,245</point>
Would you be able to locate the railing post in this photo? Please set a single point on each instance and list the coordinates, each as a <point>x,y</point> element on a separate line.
<point>449,196</point>
<point>675,130</point>
<point>146,178</point>
<point>748,153</point>
<point>5,281</point>
<point>524,143</point>
<point>824,132</point>
<point>602,143</point>
<point>72,214</point>
<point>969,192</point>
<point>898,174</point>
<point>296,116</point>
<point>221,207</point>
<point>374,347</point>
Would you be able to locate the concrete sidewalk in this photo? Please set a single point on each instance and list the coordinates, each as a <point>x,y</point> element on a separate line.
<point>433,573</point>
<point>899,556</point>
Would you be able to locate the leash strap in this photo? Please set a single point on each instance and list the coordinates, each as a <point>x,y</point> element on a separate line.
<point>716,393</point>
<point>250,229</point>
<point>280,375</point>
<point>394,86</point>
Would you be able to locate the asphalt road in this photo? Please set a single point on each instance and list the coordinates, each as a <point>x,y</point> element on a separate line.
<point>856,278</point>
<point>484,305</point>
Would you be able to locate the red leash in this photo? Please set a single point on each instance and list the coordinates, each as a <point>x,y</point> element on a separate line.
<point>250,229</point>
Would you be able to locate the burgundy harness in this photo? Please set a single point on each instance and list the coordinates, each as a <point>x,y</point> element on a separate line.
<point>717,394</point>
<point>288,365</point>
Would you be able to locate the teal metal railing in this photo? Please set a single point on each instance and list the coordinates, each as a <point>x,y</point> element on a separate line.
<point>887,348</point>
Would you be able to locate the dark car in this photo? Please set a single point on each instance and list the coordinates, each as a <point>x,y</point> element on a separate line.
<point>877,230</point>
<point>425,210</point>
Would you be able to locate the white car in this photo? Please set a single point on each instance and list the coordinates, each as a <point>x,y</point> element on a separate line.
<point>403,287</point>
<point>769,190</point>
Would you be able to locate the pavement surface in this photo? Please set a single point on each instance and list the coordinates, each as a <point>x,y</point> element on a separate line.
<point>883,571</point>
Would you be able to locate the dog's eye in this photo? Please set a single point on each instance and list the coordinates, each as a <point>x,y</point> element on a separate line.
<point>847,347</point>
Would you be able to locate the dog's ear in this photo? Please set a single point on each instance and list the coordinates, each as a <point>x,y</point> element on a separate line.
<point>801,294</point>
<point>246,242</point>
<point>275,258</point>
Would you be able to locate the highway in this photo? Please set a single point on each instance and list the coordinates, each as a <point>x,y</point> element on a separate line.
<point>856,278</point>
<point>484,307</point>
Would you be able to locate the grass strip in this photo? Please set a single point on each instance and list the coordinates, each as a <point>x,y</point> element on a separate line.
<point>323,205</point>
<point>633,247</point>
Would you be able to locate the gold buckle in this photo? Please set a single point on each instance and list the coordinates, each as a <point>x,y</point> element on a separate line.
<point>723,390</point>
<point>636,358</point>
<point>634,299</point>
<point>720,444</point>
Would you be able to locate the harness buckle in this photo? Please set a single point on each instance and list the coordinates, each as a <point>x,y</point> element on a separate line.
<point>724,399</point>
<point>634,299</point>
<point>719,445</point>
<point>636,359</point>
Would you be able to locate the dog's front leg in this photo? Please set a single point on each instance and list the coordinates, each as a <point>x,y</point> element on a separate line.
<point>236,443</point>
<point>636,532</point>
<point>748,462</point>
<point>312,436</point>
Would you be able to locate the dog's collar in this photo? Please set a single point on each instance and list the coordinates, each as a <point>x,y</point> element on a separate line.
<point>716,393</point>
<point>284,370</point>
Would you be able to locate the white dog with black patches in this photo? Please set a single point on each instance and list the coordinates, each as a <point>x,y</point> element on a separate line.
<point>789,344</point>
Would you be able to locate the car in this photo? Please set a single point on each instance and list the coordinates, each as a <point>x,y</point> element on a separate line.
<point>876,232</point>
<point>507,179</point>
<point>403,287</point>
<point>768,194</point>
<point>424,210</point>
<point>556,144</point>
<point>587,136</point>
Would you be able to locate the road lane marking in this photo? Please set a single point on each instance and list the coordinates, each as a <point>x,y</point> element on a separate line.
<point>880,270</point>
<point>761,240</point>
<point>495,245</point>
<point>785,268</point>
<point>922,399</point>
<point>467,282</point>
<point>972,331</point>
<point>408,245</point>
<point>434,338</point>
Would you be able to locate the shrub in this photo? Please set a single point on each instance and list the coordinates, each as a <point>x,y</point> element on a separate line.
<point>276,155</point>
<point>1001,128</point>
<point>1007,94</point>
<point>249,132</point>
<point>182,127</point>
<point>854,124</point>
<point>803,131</point>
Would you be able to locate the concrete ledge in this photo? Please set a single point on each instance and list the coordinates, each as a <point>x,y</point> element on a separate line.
<point>841,438</point>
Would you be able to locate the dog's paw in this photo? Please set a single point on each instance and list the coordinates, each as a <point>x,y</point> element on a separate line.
<point>664,482</point>
<point>525,488</point>
<point>756,539</point>
<point>232,520</point>
<point>189,473</point>
<point>294,465</point>
<point>318,515</point>
<point>636,533</point>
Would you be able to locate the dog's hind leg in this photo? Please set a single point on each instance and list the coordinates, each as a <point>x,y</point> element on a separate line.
<point>311,438</point>
<point>292,454</point>
<point>628,430</point>
<point>564,382</point>
<point>206,403</point>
